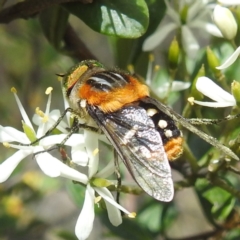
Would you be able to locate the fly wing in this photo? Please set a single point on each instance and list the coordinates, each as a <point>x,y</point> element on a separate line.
<point>185,123</point>
<point>140,146</point>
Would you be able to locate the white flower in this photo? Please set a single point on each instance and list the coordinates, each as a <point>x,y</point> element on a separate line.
<point>55,168</point>
<point>213,30</point>
<point>176,86</point>
<point>208,88</point>
<point>10,136</point>
<point>227,24</point>
<point>85,221</point>
<point>84,147</point>
<point>229,2</point>
<point>198,16</point>
<point>225,21</point>
<point>230,60</point>
<point>163,89</point>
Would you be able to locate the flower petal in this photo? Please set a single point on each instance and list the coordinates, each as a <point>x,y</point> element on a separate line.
<point>176,86</point>
<point>55,115</point>
<point>79,155</point>
<point>105,193</point>
<point>52,167</point>
<point>52,140</point>
<point>197,10</point>
<point>104,139</point>
<point>229,2</point>
<point>91,143</point>
<point>113,211</point>
<point>214,104</point>
<point>66,104</point>
<point>8,166</point>
<point>106,171</point>
<point>214,30</point>
<point>47,110</point>
<point>74,140</point>
<point>230,60</point>
<point>189,41</point>
<point>172,13</point>
<point>10,134</point>
<point>210,89</point>
<point>23,112</point>
<point>85,220</point>
<point>158,36</point>
<point>44,126</point>
<point>48,164</point>
<point>225,21</point>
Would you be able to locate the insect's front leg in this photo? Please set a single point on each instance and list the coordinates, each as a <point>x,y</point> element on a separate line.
<point>117,172</point>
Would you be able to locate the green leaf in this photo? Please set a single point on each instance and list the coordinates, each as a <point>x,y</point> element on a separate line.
<point>64,235</point>
<point>232,235</point>
<point>202,186</point>
<point>157,216</point>
<point>122,18</point>
<point>128,51</point>
<point>220,202</point>
<point>150,217</point>
<point>53,21</point>
<point>157,11</point>
<point>129,229</point>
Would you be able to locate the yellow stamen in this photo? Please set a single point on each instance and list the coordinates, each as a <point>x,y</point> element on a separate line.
<point>151,57</point>
<point>39,112</point>
<point>6,144</point>
<point>97,199</point>
<point>48,90</point>
<point>132,215</point>
<point>191,100</point>
<point>130,68</point>
<point>45,119</point>
<point>96,151</point>
<point>13,90</point>
<point>156,68</point>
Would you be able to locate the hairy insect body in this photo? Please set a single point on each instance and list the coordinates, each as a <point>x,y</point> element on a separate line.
<point>142,134</point>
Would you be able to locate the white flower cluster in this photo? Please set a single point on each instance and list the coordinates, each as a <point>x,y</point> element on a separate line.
<point>225,21</point>
<point>198,17</point>
<point>84,152</point>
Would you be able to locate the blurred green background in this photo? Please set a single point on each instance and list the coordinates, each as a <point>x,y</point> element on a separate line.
<point>33,206</point>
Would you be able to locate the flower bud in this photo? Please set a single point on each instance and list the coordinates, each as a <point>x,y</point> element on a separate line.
<point>173,54</point>
<point>215,165</point>
<point>235,86</point>
<point>194,92</point>
<point>225,21</point>
<point>213,61</point>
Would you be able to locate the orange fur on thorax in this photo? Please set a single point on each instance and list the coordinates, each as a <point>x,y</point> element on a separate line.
<point>117,98</point>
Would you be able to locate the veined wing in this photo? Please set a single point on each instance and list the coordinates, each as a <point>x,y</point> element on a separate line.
<point>139,144</point>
